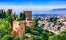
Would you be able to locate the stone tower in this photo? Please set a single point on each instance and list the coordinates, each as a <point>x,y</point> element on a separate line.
<point>29,21</point>
<point>18,28</point>
<point>28,14</point>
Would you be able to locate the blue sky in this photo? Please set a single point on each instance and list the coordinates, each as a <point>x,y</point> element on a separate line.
<point>31,1</point>
<point>34,5</point>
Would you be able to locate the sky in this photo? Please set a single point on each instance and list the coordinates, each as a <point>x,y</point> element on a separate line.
<point>33,5</point>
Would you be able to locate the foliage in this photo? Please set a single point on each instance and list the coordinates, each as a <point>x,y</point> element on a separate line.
<point>15,16</point>
<point>37,33</point>
<point>9,19</point>
<point>42,25</point>
<point>63,32</point>
<point>27,29</point>
<point>23,37</point>
<point>8,13</point>
<point>7,37</point>
<point>16,38</point>
<point>61,36</point>
<point>5,27</point>
<point>18,18</point>
<point>22,16</point>
<point>2,14</point>
<point>35,21</point>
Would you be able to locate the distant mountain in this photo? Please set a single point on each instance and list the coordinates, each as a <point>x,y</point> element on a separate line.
<point>45,15</point>
<point>53,12</point>
<point>60,9</point>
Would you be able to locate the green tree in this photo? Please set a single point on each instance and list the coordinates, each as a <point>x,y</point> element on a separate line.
<point>14,15</point>
<point>35,21</point>
<point>38,37</point>
<point>5,27</point>
<point>63,32</point>
<point>18,18</point>
<point>2,14</point>
<point>16,38</point>
<point>8,13</point>
<point>27,29</point>
<point>28,36</point>
<point>38,33</point>
<point>55,37</point>
<point>22,16</point>
<point>9,19</point>
<point>7,37</point>
<point>63,36</point>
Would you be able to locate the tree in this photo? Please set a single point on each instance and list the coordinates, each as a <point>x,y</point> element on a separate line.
<point>58,37</point>
<point>14,15</point>
<point>5,27</point>
<point>55,37</point>
<point>38,33</point>
<point>9,19</point>
<point>63,32</point>
<point>16,38</point>
<point>2,14</point>
<point>8,13</point>
<point>28,36</point>
<point>7,37</point>
<point>22,16</point>
<point>18,18</point>
<point>35,21</point>
<point>23,37</point>
<point>27,29</point>
<point>42,25</point>
<point>63,36</point>
<point>38,37</point>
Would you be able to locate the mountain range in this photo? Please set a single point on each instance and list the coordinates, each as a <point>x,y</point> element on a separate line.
<point>53,12</point>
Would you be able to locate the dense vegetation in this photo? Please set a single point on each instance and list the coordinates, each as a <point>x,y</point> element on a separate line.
<point>37,33</point>
<point>61,36</point>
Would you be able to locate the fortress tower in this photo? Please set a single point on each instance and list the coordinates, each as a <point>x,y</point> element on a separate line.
<point>18,28</point>
<point>28,14</point>
<point>29,21</point>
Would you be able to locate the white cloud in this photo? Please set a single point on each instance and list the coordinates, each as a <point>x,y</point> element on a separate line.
<point>31,7</point>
